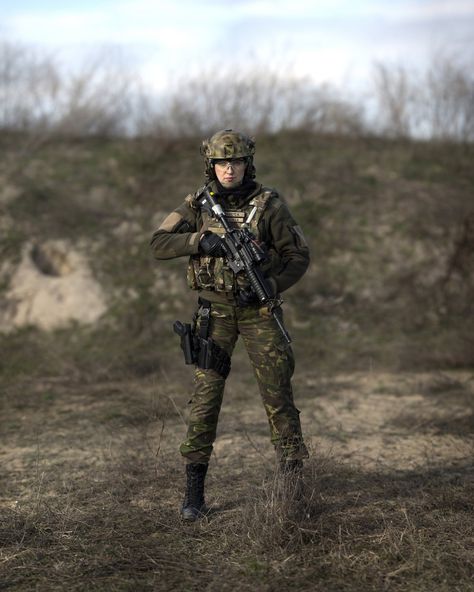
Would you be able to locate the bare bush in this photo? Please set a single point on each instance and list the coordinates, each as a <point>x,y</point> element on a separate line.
<point>256,99</point>
<point>395,94</point>
<point>436,104</point>
<point>39,97</point>
<point>29,87</point>
<point>103,97</point>
<point>96,100</point>
<point>448,100</point>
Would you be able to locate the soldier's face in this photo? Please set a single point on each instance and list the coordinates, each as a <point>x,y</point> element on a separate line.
<point>230,173</point>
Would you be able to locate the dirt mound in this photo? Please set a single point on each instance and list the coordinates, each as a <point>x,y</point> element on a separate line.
<point>52,286</point>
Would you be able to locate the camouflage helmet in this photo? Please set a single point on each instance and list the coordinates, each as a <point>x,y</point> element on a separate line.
<point>226,144</point>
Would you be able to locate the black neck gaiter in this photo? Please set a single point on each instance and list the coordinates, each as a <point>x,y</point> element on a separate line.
<point>238,193</point>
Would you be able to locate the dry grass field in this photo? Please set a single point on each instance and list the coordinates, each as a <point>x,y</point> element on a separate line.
<point>92,481</point>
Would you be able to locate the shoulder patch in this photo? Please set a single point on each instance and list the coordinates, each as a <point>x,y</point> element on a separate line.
<point>298,233</point>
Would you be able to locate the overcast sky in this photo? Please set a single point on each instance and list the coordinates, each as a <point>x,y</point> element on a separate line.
<point>334,41</point>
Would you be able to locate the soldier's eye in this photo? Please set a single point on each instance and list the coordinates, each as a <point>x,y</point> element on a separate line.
<point>224,164</point>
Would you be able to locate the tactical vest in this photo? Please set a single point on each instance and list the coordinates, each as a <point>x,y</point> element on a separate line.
<point>212,273</point>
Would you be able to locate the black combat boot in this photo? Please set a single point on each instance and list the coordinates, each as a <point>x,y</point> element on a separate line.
<point>193,504</point>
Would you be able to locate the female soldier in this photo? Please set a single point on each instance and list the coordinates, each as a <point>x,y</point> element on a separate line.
<point>228,305</point>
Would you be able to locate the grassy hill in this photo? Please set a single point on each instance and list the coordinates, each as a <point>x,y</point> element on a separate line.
<point>389,223</point>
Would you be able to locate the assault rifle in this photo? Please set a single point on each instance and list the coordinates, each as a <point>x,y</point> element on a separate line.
<point>245,255</point>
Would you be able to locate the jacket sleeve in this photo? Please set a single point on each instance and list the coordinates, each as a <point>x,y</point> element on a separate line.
<point>288,240</point>
<point>177,235</point>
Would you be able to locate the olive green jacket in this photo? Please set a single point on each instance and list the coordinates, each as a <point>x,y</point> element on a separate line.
<point>180,232</point>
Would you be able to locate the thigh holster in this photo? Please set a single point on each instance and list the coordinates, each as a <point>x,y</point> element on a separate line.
<point>198,347</point>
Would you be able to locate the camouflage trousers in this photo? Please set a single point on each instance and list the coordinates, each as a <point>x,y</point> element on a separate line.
<point>273,364</point>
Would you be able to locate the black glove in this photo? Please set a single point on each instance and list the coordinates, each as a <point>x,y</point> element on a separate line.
<point>247,297</point>
<point>211,245</point>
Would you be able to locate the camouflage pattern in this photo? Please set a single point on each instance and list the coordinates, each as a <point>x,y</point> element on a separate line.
<point>273,364</point>
<point>228,144</point>
<point>213,273</point>
<point>272,359</point>
<point>179,234</point>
